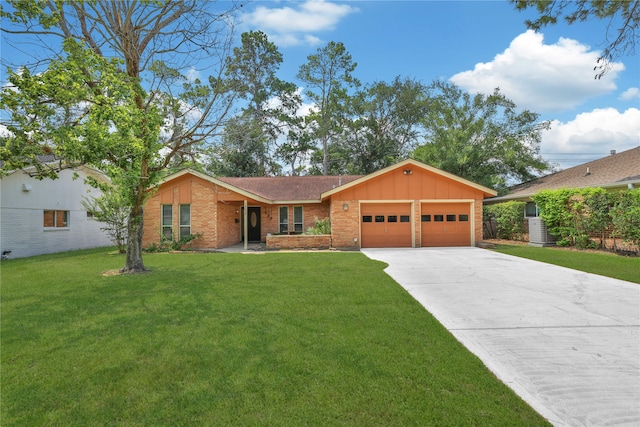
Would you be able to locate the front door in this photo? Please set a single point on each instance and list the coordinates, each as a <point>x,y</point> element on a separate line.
<point>253,226</point>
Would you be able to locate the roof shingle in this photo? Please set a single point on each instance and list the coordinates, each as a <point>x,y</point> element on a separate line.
<point>289,188</point>
<point>620,168</point>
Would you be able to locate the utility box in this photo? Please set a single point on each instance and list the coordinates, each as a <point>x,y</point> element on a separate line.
<point>538,233</point>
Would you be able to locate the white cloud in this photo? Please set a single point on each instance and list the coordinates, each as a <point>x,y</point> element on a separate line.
<point>291,26</point>
<point>4,132</point>
<point>630,94</point>
<point>590,136</point>
<point>192,74</point>
<point>541,77</point>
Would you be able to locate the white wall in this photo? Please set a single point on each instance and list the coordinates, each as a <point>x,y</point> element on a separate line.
<point>21,215</point>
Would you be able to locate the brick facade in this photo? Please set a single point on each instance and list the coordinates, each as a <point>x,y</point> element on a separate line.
<point>216,213</point>
<point>321,241</point>
<point>217,206</point>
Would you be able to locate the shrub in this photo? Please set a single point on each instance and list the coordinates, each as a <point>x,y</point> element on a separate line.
<point>167,245</point>
<point>574,215</point>
<point>322,226</point>
<point>509,219</point>
<point>625,216</point>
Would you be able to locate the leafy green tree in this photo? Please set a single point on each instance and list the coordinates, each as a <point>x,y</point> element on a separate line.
<point>480,137</point>
<point>113,95</point>
<point>271,103</point>
<point>623,16</point>
<point>242,151</point>
<point>296,149</point>
<point>328,76</point>
<point>112,210</point>
<point>385,127</point>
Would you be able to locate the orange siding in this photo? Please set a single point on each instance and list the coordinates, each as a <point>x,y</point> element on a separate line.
<point>396,186</point>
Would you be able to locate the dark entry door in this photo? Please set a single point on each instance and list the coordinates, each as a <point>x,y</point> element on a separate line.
<point>253,219</point>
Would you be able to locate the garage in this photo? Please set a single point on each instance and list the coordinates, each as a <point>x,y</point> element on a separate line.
<point>445,224</point>
<point>386,225</point>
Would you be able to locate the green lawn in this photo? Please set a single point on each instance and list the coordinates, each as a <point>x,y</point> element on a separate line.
<point>603,263</point>
<point>233,339</point>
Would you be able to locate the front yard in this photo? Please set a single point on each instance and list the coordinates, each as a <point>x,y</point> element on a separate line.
<point>591,261</point>
<point>232,339</point>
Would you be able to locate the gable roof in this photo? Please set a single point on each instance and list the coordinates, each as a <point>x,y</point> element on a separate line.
<point>404,164</point>
<point>615,170</point>
<point>310,188</point>
<point>275,189</point>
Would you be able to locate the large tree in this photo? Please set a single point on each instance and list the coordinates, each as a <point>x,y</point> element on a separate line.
<point>623,15</point>
<point>482,138</point>
<point>242,151</point>
<point>328,74</point>
<point>112,90</point>
<point>385,127</point>
<point>270,103</point>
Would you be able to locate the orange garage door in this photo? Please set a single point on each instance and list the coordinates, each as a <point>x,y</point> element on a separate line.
<point>446,224</point>
<point>386,225</point>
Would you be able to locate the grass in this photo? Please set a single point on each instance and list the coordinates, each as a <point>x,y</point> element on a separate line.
<point>232,339</point>
<point>602,263</point>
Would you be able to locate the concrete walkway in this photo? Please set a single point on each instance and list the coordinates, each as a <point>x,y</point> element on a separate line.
<point>567,342</point>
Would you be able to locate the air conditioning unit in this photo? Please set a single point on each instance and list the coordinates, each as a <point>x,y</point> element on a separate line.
<point>538,233</point>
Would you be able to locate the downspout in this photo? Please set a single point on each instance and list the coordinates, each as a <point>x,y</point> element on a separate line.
<point>246,225</point>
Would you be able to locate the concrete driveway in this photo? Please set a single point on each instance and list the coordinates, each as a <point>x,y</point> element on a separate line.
<point>567,342</point>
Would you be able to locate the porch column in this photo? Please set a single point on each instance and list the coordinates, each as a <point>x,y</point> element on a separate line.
<point>246,225</point>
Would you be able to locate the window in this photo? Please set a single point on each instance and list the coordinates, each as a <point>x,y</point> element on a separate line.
<point>167,222</point>
<point>404,218</point>
<point>298,219</point>
<point>463,218</point>
<point>451,218</point>
<point>379,218</point>
<point>367,218</point>
<point>56,219</point>
<point>392,218</point>
<point>185,221</point>
<point>531,210</point>
<point>284,219</point>
<point>425,218</point>
<point>438,218</point>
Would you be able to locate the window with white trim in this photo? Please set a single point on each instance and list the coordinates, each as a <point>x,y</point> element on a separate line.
<point>185,221</point>
<point>531,210</point>
<point>167,222</point>
<point>55,219</point>
<point>298,219</point>
<point>284,219</point>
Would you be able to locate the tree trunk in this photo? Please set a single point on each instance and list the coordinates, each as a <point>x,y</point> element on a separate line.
<point>135,226</point>
<point>325,156</point>
<point>135,229</point>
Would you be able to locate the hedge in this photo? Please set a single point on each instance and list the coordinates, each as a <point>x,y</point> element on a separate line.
<point>573,215</point>
<point>508,218</point>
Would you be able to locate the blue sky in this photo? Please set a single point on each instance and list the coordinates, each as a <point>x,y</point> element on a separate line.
<point>478,45</point>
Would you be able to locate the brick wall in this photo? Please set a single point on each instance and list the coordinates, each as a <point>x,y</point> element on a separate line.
<point>345,225</point>
<point>301,241</point>
<point>186,190</point>
<point>478,221</point>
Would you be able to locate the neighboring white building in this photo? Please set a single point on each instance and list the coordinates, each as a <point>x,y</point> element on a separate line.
<point>47,216</point>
